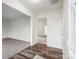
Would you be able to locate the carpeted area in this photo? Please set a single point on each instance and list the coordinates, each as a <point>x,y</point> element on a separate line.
<point>11,46</point>
<point>41,50</point>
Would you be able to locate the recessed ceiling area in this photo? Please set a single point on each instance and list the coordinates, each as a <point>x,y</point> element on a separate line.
<point>38,6</point>
<point>10,13</point>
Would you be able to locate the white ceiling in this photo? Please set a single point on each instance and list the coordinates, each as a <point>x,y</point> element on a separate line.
<point>43,5</point>
<point>11,13</point>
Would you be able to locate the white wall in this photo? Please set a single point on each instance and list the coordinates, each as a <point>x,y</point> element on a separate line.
<point>33,30</point>
<point>5,27</point>
<point>54,37</point>
<point>19,28</point>
<point>20,7</point>
<point>71,29</point>
<point>65,29</point>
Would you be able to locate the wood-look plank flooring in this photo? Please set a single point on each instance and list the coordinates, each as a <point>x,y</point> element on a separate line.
<point>41,50</point>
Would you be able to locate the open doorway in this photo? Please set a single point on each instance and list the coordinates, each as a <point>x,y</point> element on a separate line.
<point>42,30</point>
